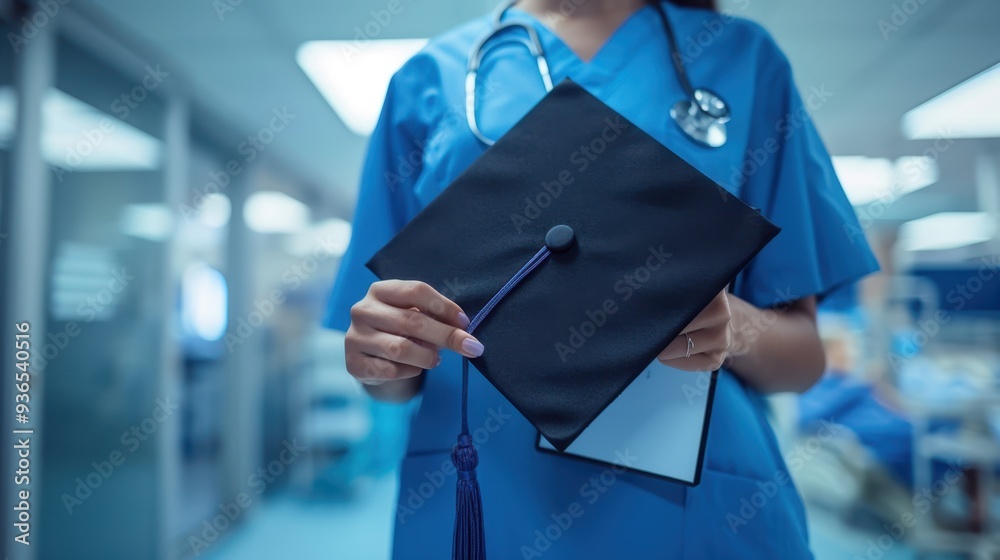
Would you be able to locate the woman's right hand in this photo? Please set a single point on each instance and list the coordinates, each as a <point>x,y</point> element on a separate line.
<point>398,330</point>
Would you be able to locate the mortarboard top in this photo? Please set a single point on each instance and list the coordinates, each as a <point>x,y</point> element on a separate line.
<point>646,242</point>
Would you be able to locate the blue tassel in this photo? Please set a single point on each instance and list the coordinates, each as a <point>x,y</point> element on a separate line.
<point>469,538</point>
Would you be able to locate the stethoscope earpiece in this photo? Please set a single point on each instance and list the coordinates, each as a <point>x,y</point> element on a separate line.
<point>702,116</point>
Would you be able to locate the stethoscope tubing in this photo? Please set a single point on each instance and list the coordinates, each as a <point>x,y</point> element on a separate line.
<point>702,116</point>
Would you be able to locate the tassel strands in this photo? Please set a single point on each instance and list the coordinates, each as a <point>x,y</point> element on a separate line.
<point>469,541</point>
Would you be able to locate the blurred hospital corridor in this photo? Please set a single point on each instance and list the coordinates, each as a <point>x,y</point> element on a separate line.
<point>178,189</point>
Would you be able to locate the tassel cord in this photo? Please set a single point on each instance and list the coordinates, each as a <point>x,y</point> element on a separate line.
<point>469,541</point>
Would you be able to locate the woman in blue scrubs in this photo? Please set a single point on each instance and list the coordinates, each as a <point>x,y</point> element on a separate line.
<point>404,338</point>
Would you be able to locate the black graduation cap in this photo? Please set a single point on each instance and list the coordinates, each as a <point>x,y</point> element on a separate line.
<point>584,246</point>
<point>653,241</point>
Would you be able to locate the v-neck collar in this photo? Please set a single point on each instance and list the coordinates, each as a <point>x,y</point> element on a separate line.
<point>610,57</point>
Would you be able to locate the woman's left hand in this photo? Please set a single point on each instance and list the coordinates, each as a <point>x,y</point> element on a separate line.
<point>710,337</point>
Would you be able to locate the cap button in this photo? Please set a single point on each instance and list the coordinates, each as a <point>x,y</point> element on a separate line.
<point>560,238</point>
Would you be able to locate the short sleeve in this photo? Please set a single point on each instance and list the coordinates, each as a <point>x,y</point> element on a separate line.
<point>789,176</point>
<point>386,201</point>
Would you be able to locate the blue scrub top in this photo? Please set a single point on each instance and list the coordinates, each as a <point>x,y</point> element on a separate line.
<point>539,505</point>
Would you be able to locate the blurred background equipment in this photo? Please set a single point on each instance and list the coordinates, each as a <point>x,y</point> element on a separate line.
<point>177,181</point>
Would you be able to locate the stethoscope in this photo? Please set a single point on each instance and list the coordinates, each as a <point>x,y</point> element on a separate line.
<point>702,116</point>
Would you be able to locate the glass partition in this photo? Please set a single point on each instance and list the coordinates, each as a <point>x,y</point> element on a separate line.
<point>104,414</point>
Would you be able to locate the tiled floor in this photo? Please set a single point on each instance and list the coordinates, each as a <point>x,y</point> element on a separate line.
<point>287,527</point>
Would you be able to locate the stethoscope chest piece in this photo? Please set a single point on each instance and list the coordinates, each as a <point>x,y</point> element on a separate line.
<point>703,117</point>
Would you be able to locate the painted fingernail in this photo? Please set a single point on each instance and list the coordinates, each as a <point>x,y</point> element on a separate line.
<point>472,347</point>
<point>463,319</point>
